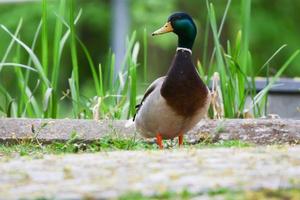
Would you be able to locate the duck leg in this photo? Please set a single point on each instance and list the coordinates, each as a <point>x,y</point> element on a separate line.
<point>159,141</point>
<point>180,140</point>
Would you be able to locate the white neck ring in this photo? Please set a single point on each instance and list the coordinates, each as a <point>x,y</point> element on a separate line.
<point>184,49</point>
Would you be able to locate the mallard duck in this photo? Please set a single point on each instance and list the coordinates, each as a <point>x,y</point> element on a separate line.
<point>175,103</point>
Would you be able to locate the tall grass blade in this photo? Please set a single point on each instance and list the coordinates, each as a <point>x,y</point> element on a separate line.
<point>220,63</point>
<point>32,55</point>
<point>220,29</point>
<point>19,81</point>
<point>129,49</point>
<point>101,80</point>
<point>263,92</point>
<point>205,43</point>
<point>74,83</point>
<point>34,41</point>
<point>45,36</point>
<point>18,65</point>
<point>133,75</point>
<point>75,71</point>
<point>112,73</point>
<point>10,111</point>
<point>271,58</point>
<point>32,101</point>
<point>246,12</point>
<point>201,71</point>
<point>67,33</point>
<point>92,67</point>
<point>75,100</point>
<point>145,54</point>
<point>11,44</point>
<point>47,98</point>
<point>56,46</point>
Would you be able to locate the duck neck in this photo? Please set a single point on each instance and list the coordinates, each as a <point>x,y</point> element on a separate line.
<point>186,41</point>
<point>182,68</point>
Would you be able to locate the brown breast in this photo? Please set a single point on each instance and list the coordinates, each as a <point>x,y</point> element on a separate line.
<point>183,89</point>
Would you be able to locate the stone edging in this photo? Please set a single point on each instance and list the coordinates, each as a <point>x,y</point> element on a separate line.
<point>258,131</point>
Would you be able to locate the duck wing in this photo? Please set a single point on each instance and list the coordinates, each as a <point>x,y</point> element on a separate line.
<point>149,90</point>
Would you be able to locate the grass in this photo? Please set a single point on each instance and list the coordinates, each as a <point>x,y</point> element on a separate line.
<point>115,93</point>
<point>165,195</point>
<point>222,143</point>
<point>234,65</point>
<point>221,193</point>
<point>34,147</point>
<point>262,194</point>
<point>39,94</point>
<point>108,143</point>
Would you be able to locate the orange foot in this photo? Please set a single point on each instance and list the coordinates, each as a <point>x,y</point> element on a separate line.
<point>159,141</point>
<point>180,140</point>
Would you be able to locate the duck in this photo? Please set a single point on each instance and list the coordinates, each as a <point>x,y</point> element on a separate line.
<point>173,104</point>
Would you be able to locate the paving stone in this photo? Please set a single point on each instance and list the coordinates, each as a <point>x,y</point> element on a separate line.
<point>108,175</point>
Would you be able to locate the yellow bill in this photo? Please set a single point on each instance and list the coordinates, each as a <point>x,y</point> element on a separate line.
<point>165,29</point>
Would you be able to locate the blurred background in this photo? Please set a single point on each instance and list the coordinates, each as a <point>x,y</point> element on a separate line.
<point>272,24</point>
<point>105,24</point>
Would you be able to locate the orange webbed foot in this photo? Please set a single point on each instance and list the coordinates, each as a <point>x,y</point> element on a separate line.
<point>159,141</point>
<point>180,140</point>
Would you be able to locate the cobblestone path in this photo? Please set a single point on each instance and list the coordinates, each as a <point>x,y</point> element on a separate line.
<point>111,174</point>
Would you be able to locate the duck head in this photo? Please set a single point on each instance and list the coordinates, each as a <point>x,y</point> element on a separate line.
<point>183,26</point>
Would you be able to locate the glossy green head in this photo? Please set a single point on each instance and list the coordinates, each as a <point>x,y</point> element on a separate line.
<point>183,26</point>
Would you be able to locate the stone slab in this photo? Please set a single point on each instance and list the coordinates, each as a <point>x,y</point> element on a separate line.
<point>258,131</point>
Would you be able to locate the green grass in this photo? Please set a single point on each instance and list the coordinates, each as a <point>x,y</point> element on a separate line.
<point>115,94</point>
<point>222,143</point>
<point>262,194</point>
<point>221,193</point>
<point>165,195</point>
<point>73,145</point>
<point>234,65</point>
<point>39,95</point>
